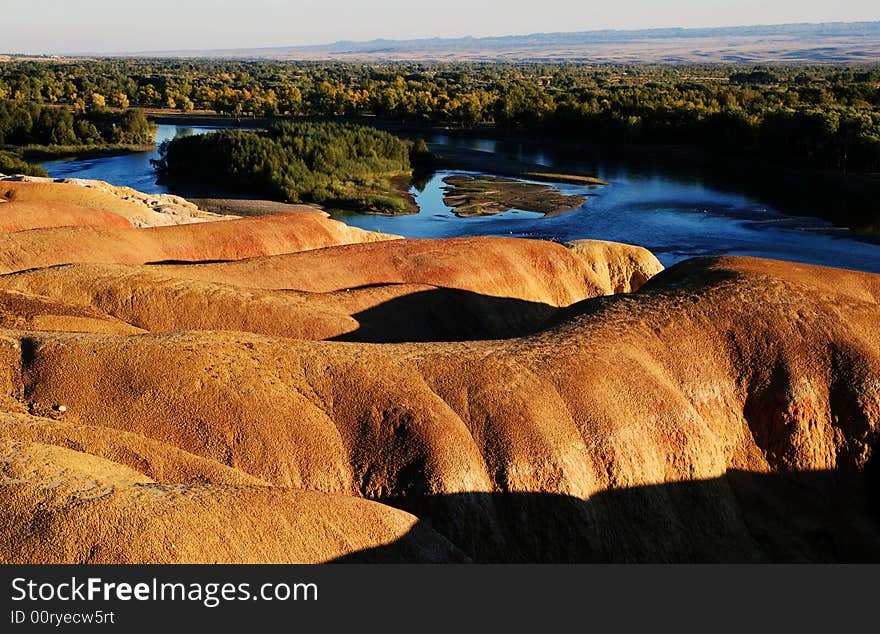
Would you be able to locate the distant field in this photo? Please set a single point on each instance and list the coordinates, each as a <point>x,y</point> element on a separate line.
<point>799,43</point>
<point>738,50</point>
<point>54,59</point>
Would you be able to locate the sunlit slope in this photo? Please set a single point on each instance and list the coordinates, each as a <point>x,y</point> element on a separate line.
<point>405,290</point>
<point>529,401</point>
<point>721,365</point>
<point>228,240</point>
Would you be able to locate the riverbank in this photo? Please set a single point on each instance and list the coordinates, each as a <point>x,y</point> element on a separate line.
<point>207,119</point>
<point>33,153</point>
<point>230,204</point>
<point>218,201</point>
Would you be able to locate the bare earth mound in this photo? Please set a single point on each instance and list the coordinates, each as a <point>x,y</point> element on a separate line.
<point>21,216</point>
<point>530,270</point>
<point>410,291</point>
<point>93,510</point>
<point>727,411</point>
<point>212,392</point>
<point>25,311</point>
<point>227,240</point>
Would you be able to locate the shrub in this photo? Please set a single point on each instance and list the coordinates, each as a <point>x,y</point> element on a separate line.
<point>11,164</point>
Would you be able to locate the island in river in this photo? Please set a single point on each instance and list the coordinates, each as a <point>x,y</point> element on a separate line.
<point>344,166</point>
<point>483,195</point>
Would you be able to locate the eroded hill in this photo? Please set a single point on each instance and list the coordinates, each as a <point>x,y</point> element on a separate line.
<point>726,410</point>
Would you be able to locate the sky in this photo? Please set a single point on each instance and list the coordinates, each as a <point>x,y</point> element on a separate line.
<point>119,26</point>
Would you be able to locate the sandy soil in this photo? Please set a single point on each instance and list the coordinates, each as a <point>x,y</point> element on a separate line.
<point>249,206</point>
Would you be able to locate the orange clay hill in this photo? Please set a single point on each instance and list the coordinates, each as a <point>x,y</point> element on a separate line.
<point>289,389</point>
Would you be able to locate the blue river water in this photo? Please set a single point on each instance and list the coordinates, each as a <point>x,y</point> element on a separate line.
<point>675,215</point>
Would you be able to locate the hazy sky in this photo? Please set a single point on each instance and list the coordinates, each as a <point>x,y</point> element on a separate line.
<point>71,26</point>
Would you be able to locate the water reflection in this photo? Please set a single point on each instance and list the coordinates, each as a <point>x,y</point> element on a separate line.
<point>675,213</point>
<point>132,170</point>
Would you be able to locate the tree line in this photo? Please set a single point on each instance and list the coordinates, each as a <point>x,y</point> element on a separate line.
<point>824,116</point>
<point>34,123</point>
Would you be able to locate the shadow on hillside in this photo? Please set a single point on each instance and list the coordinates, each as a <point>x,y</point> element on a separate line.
<point>445,314</point>
<point>692,274</point>
<point>823,516</point>
<point>183,262</point>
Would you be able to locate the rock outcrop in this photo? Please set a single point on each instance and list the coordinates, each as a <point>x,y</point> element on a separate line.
<point>138,209</point>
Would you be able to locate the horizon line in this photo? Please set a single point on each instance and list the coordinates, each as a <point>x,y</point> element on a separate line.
<point>160,52</point>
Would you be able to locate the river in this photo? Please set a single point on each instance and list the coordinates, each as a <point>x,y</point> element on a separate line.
<point>675,214</point>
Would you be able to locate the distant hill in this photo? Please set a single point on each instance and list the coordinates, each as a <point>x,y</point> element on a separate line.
<point>838,42</point>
